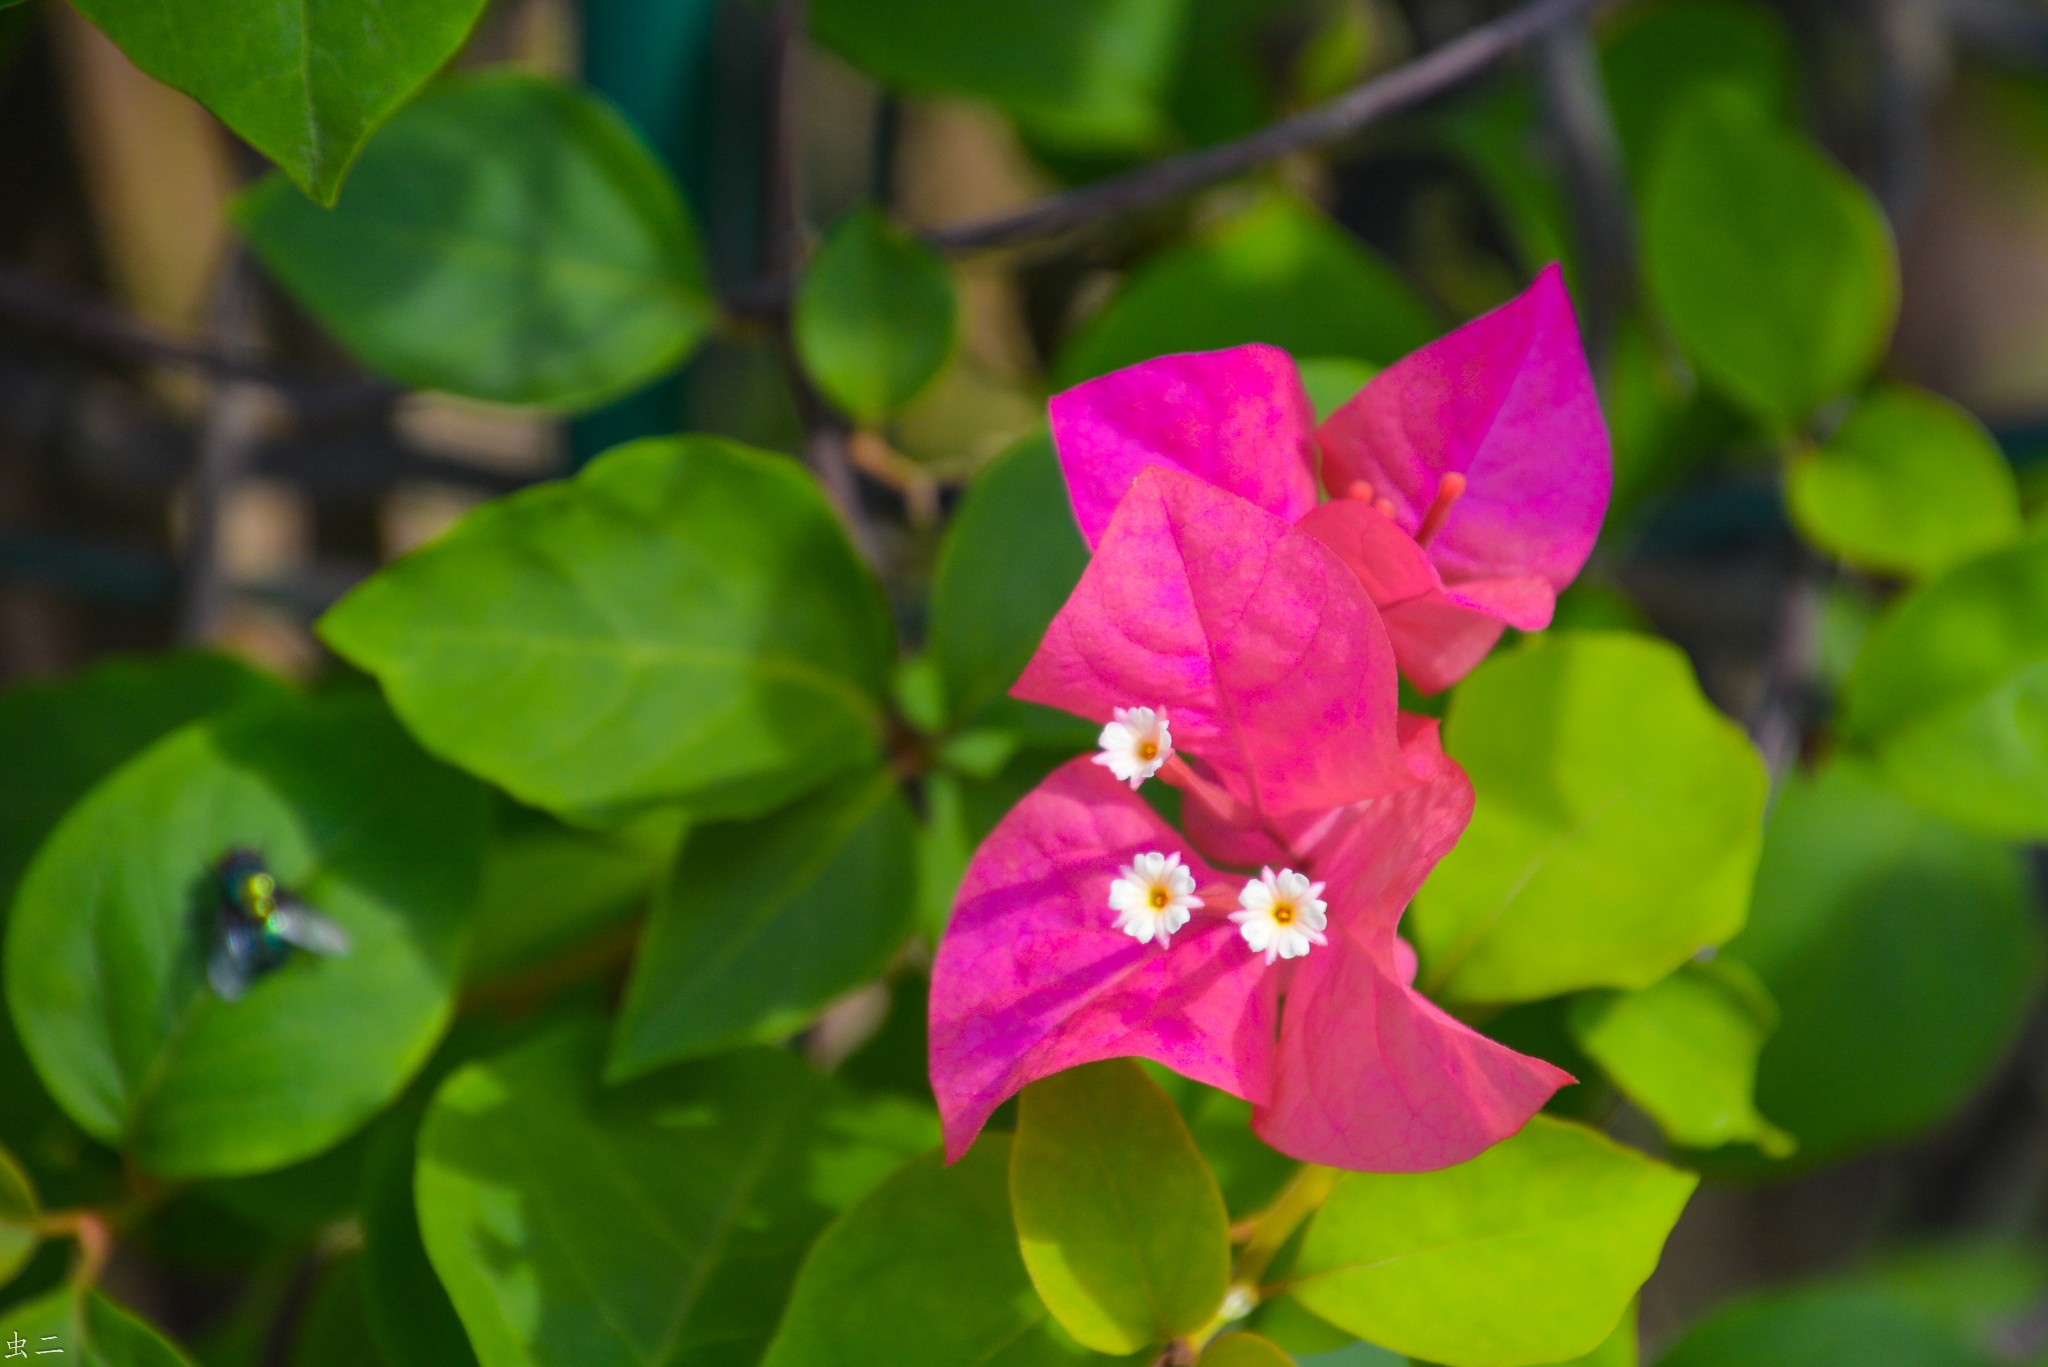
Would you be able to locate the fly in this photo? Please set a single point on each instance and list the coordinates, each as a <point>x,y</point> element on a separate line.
<point>257,924</point>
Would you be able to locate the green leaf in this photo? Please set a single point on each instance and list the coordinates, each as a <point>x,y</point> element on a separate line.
<point>1528,1253</point>
<point>1619,1348</point>
<point>548,888</point>
<point>1685,1051</point>
<point>763,922</point>
<point>1821,1326</point>
<point>106,952</point>
<point>1774,268</point>
<point>1950,692</point>
<point>303,81</point>
<point>1249,1173</point>
<point>874,316</point>
<point>20,1218</point>
<point>91,1330</point>
<point>1909,484</point>
<point>656,1223</point>
<point>1082,74</point>
<point>1245,1350</point>
<point>508,238</point>
<point>335,1328</point>
<point>1656,57</point>
<point>408,1313</point>
<point>58,739</point>
<point>1564,878</point>
<point>1121,1224</point>
<point>1841,934</point>
<point>683,622</point>
<point>1009,559</point>
<point>932,1247</point>
<point>1279,272</point>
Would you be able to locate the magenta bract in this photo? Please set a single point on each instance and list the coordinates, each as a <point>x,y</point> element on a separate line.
<point>1264,649</point>
<point>1032,977</point>
<point>1265,624</point>
<point>1467,481</point>
<point>1362,1072</point>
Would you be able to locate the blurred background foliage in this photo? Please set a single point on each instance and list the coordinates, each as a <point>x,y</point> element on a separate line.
<point>1809,245</point>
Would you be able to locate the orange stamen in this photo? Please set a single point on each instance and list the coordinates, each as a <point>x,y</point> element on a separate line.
<point>1359,490</point>
<point>1447,491</point>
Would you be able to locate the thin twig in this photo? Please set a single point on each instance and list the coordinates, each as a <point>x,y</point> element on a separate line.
<point>103,328</point>
<point>229,434</point>
<point>1399,89</point>
<point>825,432</point>
<point>1575,100</point>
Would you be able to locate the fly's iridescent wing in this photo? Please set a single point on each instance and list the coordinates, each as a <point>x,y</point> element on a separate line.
<point>231,965</point>
<point>298,924</point>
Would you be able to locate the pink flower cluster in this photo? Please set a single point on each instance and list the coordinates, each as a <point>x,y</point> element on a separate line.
<point>1265,624</point>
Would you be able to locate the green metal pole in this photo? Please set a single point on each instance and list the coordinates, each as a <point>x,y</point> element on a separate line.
<point>657,60</point>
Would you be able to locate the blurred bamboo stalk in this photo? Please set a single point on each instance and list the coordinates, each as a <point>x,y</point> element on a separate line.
<point>157,172</point>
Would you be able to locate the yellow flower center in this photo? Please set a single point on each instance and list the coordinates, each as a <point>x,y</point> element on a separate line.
<point>1283,913</point>
<point>1148,750</point>
<point>1159,899</point>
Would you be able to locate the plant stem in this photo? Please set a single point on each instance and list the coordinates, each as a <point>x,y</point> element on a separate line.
<point>1402,88</point>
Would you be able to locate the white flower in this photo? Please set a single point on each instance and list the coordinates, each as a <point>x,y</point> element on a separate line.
<point>1283,914</point>
<point>1153,898</point>
<point>1136,744</point>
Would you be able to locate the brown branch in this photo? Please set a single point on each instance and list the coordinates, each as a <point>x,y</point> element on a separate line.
<point>229,433</point>
<point>1402,88</point>
<point>826,432</point>
<point>103,328</point>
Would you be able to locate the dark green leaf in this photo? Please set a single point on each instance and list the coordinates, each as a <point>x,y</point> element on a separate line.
<point>58,739</point>
<point>1564,878</point>
<point>1685,1050</point>
<point>1950,692</point>
<point>874,316</point>
<point>506,238</point>
<point>304,81</point>
<point>1009,560</point>
<point>549,887</point>
<point>682,622</point>
<point>408,1314</point>
<point>1529,1253</point>
<point>335,1329</point>
<point>763,922</point>
<point>1821,1327</point>
<point>91,1331</point>
<point>923,1273</point>
<point>1279,272</point>
<point>106,952</point>
<point>1842,934</point>
<point>1774,268</point>
<point>656,1224</point>
<point>1084,74</point>
<point>1909,484</point>
<point>1657,56</point>
<point>1121,1224</point>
